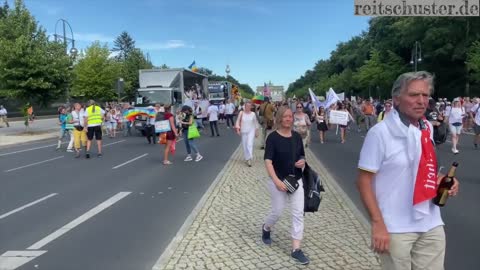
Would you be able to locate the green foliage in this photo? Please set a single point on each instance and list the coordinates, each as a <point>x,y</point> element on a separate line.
<point>373,59</point>
<point>473,61</point>
<point>33,69</point>
<point>130,67</point>
<point>123,45</point>
<point>96,73</point>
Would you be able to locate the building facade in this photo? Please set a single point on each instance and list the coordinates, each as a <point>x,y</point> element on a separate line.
<point>277,92</point>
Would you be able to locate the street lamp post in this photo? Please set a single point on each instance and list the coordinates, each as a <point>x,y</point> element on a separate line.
<point>416,55</point>
<point>66,40</point>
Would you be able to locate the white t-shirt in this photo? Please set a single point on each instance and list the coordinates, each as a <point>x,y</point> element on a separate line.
<point>477,116</point>
<point>213,113</point>
<point>221,108</point>
<point>78,118</point>
<point>3,111</point>
<point>102,112</point>
<point>230,108</point>
<point>455,115</point>
<point>387,157</point>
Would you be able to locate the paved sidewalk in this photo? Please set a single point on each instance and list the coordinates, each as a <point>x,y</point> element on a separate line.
<point>225,234</point>
<point>38,130</point>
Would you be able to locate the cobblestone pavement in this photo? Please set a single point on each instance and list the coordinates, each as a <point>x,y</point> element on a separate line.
<point>226,233</point>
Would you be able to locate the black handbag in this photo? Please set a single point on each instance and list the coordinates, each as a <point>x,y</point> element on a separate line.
<point>313,188</point>
<point>290,181</point>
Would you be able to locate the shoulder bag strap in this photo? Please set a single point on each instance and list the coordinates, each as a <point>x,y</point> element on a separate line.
<point>294,148</point>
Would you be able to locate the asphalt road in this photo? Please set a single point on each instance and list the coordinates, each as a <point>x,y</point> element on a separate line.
<point>103,213</point>
<point>461,214</point>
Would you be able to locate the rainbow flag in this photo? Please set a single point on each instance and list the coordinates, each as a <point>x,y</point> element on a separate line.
<point>133,113</point>
<point>258,99</point>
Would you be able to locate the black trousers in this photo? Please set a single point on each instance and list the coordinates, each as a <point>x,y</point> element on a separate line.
<point>230,118</point>
<point>150,133</point>
<point>213,124</point>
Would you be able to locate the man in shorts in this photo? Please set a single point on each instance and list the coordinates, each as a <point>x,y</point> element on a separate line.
<point>94,117</point>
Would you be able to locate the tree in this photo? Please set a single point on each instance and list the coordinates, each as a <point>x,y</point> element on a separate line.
<point>96,73</point>
<point>33,69</point>
<point>130,67</point>
<point>124,45</point>
<point>444,42</point>
<point>4,10</point>
<point>473,61</point>
<point>205,71</point>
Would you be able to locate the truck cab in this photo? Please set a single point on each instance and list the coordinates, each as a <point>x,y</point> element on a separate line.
<point>219,91</point>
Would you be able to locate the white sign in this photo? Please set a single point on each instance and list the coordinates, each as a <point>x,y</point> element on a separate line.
<point>162,126</point>
<point>139,100</point>
<point>277,97</point>
<point>341,96</point>
<point>338,117</point>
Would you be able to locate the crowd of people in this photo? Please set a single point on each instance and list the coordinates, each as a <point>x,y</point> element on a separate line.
<point>397,157</point>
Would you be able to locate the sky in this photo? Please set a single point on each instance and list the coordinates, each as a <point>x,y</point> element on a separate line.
<point>261,40</point>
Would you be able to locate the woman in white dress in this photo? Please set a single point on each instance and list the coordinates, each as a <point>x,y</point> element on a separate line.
<point>247,126</point>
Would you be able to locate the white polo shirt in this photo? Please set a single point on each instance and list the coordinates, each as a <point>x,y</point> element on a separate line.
<point>476,110</point>
<point>386,156</point>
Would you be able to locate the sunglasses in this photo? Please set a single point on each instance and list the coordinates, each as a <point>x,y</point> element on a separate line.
<point>299,107</point>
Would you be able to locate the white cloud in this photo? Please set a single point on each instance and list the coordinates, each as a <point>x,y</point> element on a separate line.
<point>91,37</point>
<point>166,45</point>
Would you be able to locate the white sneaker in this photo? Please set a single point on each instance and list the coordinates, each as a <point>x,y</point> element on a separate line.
<point>198,158</point>
<point>188,158</point>
<point>70,150</point>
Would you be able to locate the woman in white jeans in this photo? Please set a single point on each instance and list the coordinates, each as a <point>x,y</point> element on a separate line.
<point>285,158</point>
<point>247,126</point>
<point>455,119</point>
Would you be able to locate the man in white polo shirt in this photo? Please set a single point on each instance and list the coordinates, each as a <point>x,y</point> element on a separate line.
<point>398,178</point>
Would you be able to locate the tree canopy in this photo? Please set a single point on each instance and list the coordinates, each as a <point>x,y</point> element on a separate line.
<point>370,62</point>
<point>33,68</point>
<point>96,73</point>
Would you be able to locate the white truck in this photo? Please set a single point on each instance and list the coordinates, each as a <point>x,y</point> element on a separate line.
<point>176,87</point>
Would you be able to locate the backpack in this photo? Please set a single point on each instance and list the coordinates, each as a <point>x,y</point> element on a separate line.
<point>440,133</point>
<point>160,116</point>
<point>312,187</point>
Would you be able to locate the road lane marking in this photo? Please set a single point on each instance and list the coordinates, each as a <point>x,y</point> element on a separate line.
<point>33,164</point>
<point>13,259</point>
<point>131,160</point>
<point>26,150</point>
<point>94,211</point>
<point>26,206</point>
<point>108,144</point>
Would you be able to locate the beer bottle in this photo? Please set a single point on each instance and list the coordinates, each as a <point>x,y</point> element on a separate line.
<point>445,185</point>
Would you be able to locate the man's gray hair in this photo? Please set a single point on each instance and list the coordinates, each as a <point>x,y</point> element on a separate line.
<point>404,79</point>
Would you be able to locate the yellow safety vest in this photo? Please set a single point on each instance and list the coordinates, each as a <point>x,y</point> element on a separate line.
<point>94,117</point>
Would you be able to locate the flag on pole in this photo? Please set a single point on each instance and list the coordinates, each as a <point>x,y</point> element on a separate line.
<point>332,98</point>
<point>266,90</point>
<point>193,66</point>
<point>314,99</point>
